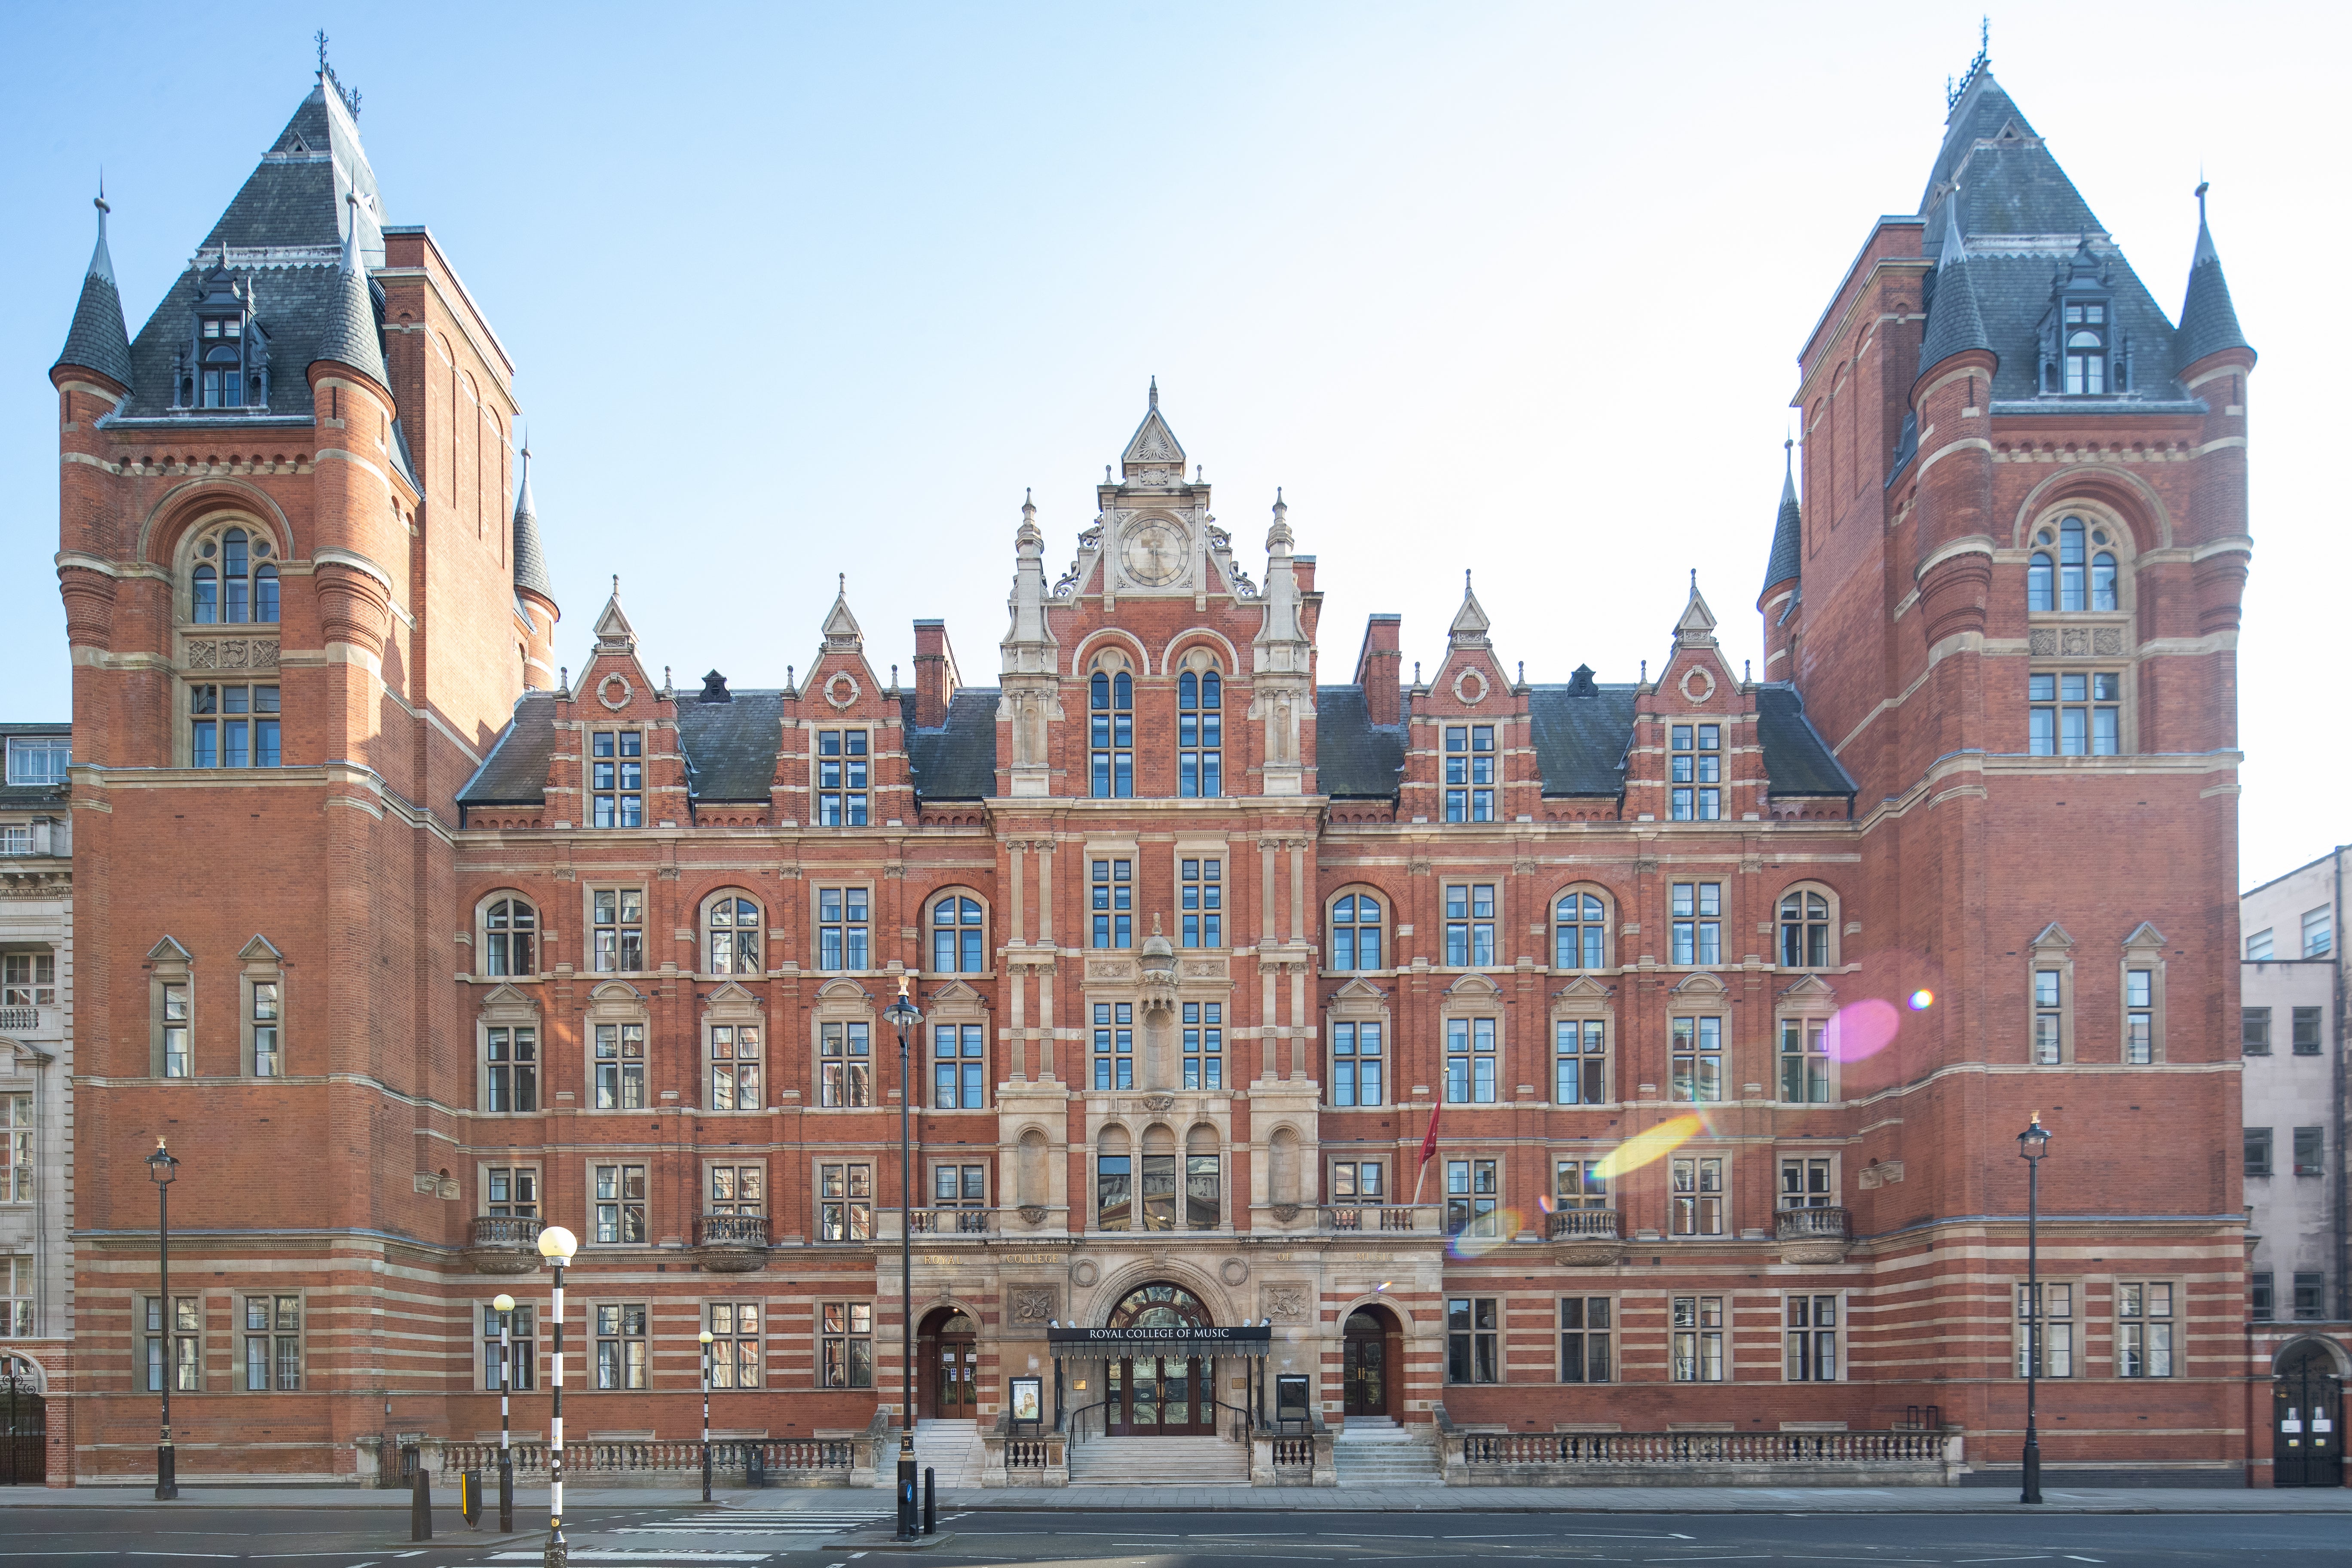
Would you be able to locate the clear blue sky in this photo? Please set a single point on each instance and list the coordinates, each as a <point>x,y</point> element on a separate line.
<point>797,290</point>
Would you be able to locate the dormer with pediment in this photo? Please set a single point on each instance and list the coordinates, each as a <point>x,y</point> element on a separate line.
<point>615,762</point>
<point>842,761</point>
<point>1694,755</point>
<point>1470,756</point>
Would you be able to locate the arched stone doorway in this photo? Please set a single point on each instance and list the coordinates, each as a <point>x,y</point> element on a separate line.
<point>947,1351</point>
<point>1164,1395</point>
<point>2307,1416</point>
<point>1371,1363</point>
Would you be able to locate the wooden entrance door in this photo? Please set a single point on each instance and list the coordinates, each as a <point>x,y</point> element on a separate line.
<point>1364,1367</point>
<point>955,1378</point>
<point>1161,1396</point>
<point>2307,1420</point>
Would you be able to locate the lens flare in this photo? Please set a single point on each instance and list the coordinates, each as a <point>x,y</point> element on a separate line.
<point>1543,1202</point>
<point>1922,999</point>
<point>1864,1029</point>
<point>1504,1224</point>
<point>1648,1147</point>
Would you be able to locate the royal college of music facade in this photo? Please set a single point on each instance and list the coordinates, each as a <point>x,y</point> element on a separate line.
<point>1728,994</point>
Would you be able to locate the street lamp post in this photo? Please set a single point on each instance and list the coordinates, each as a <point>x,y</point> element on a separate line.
<point>905,1017</point>
<point>706,1415</point>
<point>505,1305</point>
<point>2032,1144</point>
<point>163,1167</point>
<point>556,1245</point>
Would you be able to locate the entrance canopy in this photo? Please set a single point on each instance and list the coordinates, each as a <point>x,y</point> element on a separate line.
<point>1188,1339</point>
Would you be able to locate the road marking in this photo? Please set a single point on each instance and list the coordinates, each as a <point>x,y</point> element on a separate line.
<point>2037,1557</point>
<point>2072,1558</point>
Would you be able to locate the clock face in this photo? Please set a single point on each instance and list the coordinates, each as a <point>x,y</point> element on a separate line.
<point>1153,554</point>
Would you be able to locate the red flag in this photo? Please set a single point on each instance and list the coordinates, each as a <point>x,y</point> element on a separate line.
<point>1429,1141</point>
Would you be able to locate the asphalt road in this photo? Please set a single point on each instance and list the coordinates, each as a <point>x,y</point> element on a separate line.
<point>676,1538</point>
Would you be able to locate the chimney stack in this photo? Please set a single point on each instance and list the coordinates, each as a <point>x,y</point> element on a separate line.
<point>935,674</point>
<point>1380,670</point>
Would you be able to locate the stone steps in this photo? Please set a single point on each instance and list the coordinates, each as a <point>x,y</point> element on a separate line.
<point>951,1448</point>
<point>1383,1454</point>
<point>1203,1461</point>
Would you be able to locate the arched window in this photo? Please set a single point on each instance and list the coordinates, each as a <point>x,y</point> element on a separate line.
<point>1356,932</point>
<point>733,926</point>
<point>1200,734</point>
<point>233,582</point>
<point>511,938</point>
<point>959,937</point>
<point>1579,932</point>
<point>1111,702</point>
<point>1804,929</point>
<point>2082,575</point>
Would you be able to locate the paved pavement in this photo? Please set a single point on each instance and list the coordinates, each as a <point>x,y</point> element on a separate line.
<point>532,1501</point>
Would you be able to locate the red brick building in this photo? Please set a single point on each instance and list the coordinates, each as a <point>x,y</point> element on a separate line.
<point>1726,997</point>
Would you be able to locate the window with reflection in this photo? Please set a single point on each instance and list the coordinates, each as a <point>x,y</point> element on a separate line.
<point>510,932</point>
<point>1356,932</point>
<point>958,943</point>
<point>1200,734</point>
<point>233,582</point>
<point>1110,702</point>
<point>2064,573</point>
<point>734,936</point>
<point>1579,932</point>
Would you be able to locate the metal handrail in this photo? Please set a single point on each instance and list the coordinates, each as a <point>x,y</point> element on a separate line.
<point>1074,1423</point>
<point>1239,1432</point>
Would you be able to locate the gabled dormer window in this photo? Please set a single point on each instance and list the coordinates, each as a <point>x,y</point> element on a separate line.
<point>2083,354</point>
<point>226,364</point>
<point>2086,348</point>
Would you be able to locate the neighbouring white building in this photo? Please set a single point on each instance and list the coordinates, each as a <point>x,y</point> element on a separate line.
<point>2294,997</point>
<point>35,1050</point>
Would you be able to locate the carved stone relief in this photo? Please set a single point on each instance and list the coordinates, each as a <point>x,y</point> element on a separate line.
<point>1284,1303</point>
<point>1034,1304</point>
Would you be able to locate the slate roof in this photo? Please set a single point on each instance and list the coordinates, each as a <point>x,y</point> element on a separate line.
<point>98,340</point>
<point>1954,324</point>
<point>731,747</point>
<point>958,760</point>
<point>2022,218</point>
<point>1796,761</point>
<point>353,330</point>
<point>19,797</point>
<point>1355,759</point>
<point>1580,744</point>
<point>284,231</point>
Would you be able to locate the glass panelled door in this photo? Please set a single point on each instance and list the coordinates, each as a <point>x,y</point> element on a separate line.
<point>958,1378</point>
<point>1365,1368</point>
<point>1153,1396</point>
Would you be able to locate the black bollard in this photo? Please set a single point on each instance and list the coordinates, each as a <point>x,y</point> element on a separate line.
<point>930,1499</point>
<point>469,1498</point>
<point>420,1503</point>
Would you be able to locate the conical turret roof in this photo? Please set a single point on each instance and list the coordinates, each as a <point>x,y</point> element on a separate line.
<point>349,335</point>
<point>530,559</point>
<point>98,340</point>
<point>1955,323</point>
<point>1787,560</point>
<point>2209,321</point>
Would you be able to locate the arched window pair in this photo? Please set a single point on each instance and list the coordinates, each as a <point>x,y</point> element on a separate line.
<point>233,582</point>
<point>1112,721</point>
<point>1579,932</point>
<point>1355,932</point>
<point>731,935</point>
<point>1808,930</point>
<point>959,936</point>
<point>510,939</point>
<point>1200,732</point>
<point>2068,581</point>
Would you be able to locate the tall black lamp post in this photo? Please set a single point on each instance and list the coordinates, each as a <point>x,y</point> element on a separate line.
<point>161,1167</point>
<point>906,1017</point>
<point>2032,1144</point>
<point>706,1415</point>
<point>556,1245</point>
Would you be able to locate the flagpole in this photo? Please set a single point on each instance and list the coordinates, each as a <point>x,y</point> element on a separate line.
<point>1428,1147</point>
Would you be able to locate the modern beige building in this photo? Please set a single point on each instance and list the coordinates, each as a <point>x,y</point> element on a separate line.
<point>2294,1006</point>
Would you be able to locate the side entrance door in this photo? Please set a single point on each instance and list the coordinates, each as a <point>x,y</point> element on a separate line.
<point>23,1431</point>
<point>2307,1420</point>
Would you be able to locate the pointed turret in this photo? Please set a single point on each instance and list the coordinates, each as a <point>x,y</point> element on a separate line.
<point>613,633</point>
<point>1696,626</point>
<point>1786,563</point>
<point>2209,321</point>
<point>98,340</point>
<point>1470,624</point>
<point>842,631</point>
<point>1153,447</point>
<point>349,336</point>
<point>530,559</point>
<point>1955,323</point>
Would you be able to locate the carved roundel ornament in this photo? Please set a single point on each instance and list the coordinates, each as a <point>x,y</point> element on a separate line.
<point>842,689</point>
<point>1697,683</point>
<point>1470,686</point>
<point>615,683</point>
<point>1154,553</point>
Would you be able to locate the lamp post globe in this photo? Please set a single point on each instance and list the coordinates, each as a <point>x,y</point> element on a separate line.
<point>903,1016</point>
<point>2031,1145</point>
<point>556,1245</point>
<point>163,1169</point>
